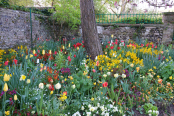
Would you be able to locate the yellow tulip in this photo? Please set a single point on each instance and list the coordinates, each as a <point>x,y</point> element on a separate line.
<point>69,45</point>
<point>63,47</point>
<point>43,52</point>
<point>6,77</point>
<point>5,87</point>
<point>15,97</point>
<point>34,52</point>
<point>49,51</point>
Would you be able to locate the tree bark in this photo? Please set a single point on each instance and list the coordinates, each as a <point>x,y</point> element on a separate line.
<point>89,29</point>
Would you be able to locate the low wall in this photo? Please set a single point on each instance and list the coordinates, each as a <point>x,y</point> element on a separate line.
<point>15,29</point>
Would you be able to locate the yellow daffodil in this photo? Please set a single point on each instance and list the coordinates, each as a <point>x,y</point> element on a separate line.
<point>170,77</point>
<point>22,78</point>
<point>92,99</point>
<point>7,113</point>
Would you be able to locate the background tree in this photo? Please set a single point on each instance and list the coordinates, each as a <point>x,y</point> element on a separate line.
<point>89,29</point>
<point>21,2</point>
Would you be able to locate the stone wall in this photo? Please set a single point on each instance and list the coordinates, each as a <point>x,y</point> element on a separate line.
<point>153,33</point>
<point>15,29</point>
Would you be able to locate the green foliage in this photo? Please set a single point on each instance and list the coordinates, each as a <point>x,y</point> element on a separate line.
<point>4,3</point>
<point>67,12</point>
<point>148,107</point>
<point>60,60</point>
<point>166,71</point>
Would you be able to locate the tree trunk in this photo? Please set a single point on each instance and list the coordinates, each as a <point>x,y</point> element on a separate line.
<point>89,29</point>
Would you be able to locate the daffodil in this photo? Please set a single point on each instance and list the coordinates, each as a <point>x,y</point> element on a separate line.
<point>22,78</point>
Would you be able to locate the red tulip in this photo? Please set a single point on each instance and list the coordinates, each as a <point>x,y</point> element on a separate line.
<point>93,70</point>
<point>69,59</point>
<point>15,61</point>
<point>97,63</point>
<point>118,48</point>
<point>74,55</point>
<point>105,84</point>
<point>112,47</point>
<point>65,92</point>
<point>55,52</point>
<point>6,63</point>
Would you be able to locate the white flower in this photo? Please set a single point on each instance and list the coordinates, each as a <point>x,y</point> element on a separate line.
<point>132,65</point>
<point>96,58</point>
<point>92,109</point>
<point>88,113</point>
<point>41,85</point>
<point>58,86</point>
<point>82,108</point>
<point>37,61</point>
<point>116,75</point>
<point>105,75</point>
<point>120,61</point>
<point>102,108</point>
<point>123,76</point>
<point>111,106</point>
<point>114,55</point>
<point>106,114</point>
<point>89,106</point>
<point>48,85</point>
<point>32,112</point>
<point>157,112</point>
<point>121,44</point>
<point>115,109</point>
<point>108,73</point>
<point>76,114</point>
<point>149,111</point>
<point>73,86</point>
<point>98,104</point>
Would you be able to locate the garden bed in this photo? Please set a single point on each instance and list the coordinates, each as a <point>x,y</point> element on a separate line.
<point>130,78</point>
